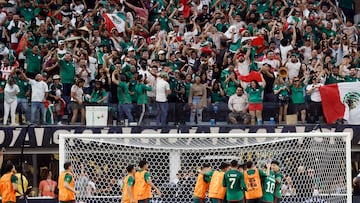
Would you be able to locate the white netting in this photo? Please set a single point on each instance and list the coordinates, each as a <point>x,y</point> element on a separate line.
<point>99,163</point>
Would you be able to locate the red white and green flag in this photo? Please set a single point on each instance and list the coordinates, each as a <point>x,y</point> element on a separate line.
<point>115,21</point>
<point>341,101</point>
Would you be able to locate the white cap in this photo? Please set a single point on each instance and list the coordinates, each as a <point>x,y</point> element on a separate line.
<point>131,49</point>
<point>161,52</point>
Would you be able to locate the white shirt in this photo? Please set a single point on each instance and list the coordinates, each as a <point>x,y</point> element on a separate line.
<point>78,93</point>
<point>293,69</point>
<point>284,51</point>
<point>10,93</point>
<point>243,67</point>
<point>38,90</point>
<point>238,103</point>
<point>161,88</point>
<point>315,95</point>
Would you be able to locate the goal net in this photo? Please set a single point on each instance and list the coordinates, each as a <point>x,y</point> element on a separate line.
<point>315,166</point>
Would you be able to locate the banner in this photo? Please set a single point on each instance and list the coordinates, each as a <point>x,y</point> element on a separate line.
<point>48,136</point>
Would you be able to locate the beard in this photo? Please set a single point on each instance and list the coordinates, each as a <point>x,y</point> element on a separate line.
<point>241,60</point>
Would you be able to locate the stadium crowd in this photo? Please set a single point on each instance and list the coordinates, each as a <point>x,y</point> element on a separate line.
<point>237,56</point>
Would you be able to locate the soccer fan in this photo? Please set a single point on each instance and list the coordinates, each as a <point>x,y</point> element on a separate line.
<point>9,184</point>
<point>202,184</point>
<point>275,167</point>
<point>66,182</point>
<point>253,178</point>
<point>216,190</point>
<point>128,186</point>
<point>143,184</point>
<point>234,183</point>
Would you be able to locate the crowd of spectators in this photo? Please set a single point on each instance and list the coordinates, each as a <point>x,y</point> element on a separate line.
<point>60,55</point>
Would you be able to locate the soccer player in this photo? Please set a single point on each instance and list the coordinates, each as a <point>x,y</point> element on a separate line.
<point>67,185</point>
<point>202,184</point>
<point>216,189</point>
<point>9,184</point>
<point>143,184</point>
<point>253,178</point>
<point>128,186</point>
<point>275,166</point>
<point>268,186</point>
<point>234,183</point>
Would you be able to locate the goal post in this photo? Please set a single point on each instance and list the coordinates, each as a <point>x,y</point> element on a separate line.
<point>99,161</point>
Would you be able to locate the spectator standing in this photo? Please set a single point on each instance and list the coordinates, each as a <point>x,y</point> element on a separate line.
<point>67,73</point>
<point>33,60</point>
<point>124,105</point>
<point>10,101</point>
<point>55,93</point>
<point>315,107</point>
<point>77,101</point>
<point>238,105</point>
<point>141,90</point>
<point>162,90</point>
<point>298,98</point>
<point>281,90</point>
<point>38,96</point>
<point>23,97</point>
<point>255,92</point>
<point>197,100</point>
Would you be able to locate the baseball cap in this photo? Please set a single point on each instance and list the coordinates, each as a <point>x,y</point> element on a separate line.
<point>56,77</point>
<point>161,52</point>
<point>131,49</point>
<point>61,42</point>
<point>164,75</point>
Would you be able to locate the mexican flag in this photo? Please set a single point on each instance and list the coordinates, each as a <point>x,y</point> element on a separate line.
<point>341,101</point>
<point>290,21</point>
<point>258,42</point>
<point>115,21</point>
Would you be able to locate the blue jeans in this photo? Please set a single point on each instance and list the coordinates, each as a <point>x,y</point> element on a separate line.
<point>162,111</point>
<point>125,108</point>
<point>196,111</point>
<point>23,108</point>
<point>35,107</point>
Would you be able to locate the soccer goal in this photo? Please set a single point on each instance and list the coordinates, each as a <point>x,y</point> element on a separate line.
<point>314,165</point>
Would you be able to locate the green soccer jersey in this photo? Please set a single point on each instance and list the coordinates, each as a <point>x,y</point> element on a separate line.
<point>33,62</point>
<point>297,94</point>
<point>67,71</point>
<point>255,95</point>
<point>278,178</point>
<point>235,185</point>
<point>141,93</point>
<point>282,92</point>
<point>24,86</point>
<point>269,188</point>
<point>123,93</point>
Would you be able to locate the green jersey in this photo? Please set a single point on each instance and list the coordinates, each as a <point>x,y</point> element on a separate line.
<point>67,71</point>
<point>123,93</point>
<point>141,93</point>
<point>255,95</point>
<point>278,178</point>
<point>33,62</point>
<point>235,185</point>
<point>297,94</point>
<point>269,188</point>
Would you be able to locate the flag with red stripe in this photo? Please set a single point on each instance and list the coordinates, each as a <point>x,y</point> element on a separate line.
<point>341,101</point>
<point>115,21</point>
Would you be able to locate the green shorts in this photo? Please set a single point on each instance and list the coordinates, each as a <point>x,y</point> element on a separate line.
<point>213,200</point>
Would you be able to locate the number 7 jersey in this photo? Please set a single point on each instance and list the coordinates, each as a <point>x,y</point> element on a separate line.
<point>235,185</point>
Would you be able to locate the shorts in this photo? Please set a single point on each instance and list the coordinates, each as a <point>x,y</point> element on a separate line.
<point>283,100</point>
<point>299,107</point>
<point>213,200</point>
<point>255,107</point>
<point>77,106</point>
